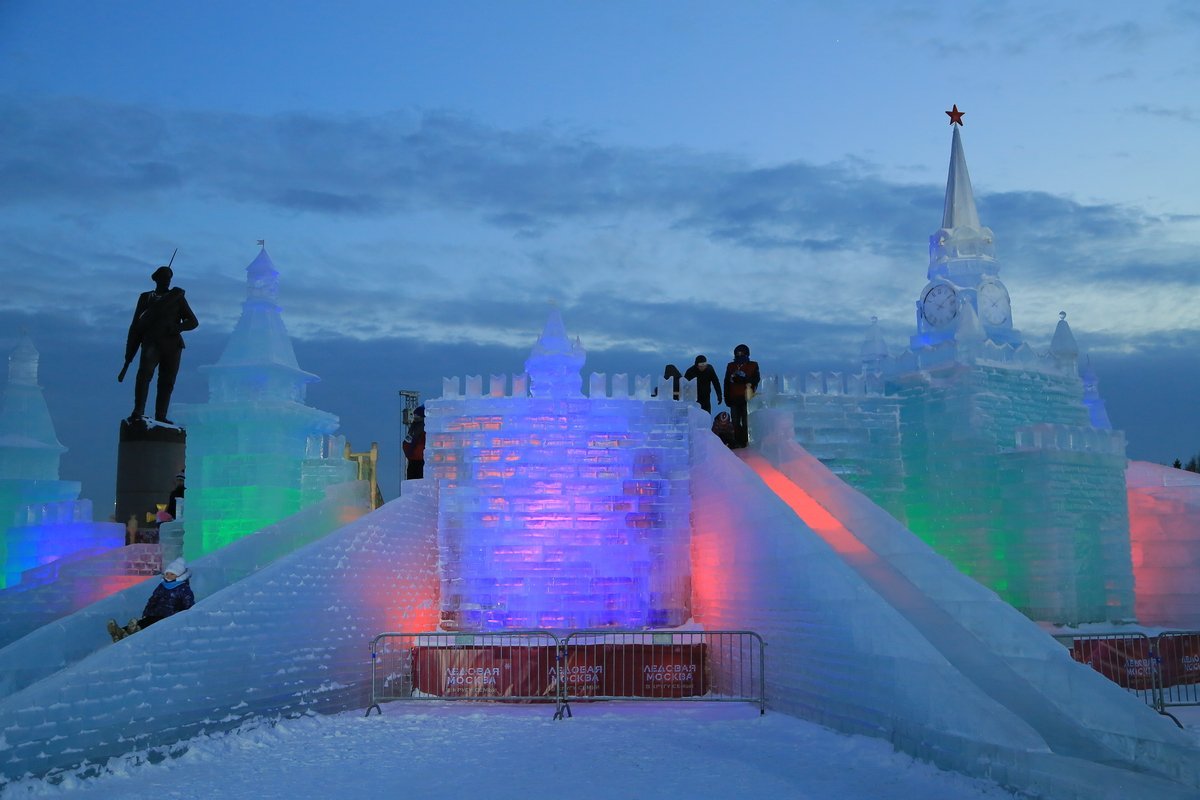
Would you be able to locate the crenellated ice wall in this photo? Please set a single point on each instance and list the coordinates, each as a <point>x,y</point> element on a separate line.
<point>558,510</point>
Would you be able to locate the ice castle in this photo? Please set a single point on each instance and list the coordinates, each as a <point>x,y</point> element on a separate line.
<point>42,518</point>
<point>999,456</point>
<point>255,448</point>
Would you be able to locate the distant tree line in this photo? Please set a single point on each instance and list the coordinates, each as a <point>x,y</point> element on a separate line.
<point>1193,464</point>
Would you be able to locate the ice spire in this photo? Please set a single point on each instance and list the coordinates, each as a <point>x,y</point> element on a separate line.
<point>259,360</point>
<point>1063,346</point>
<point>873,351</point>
<point>962,249</point>
<point>555,361</point>
<point>959,210</point>
<point>1097,411</point>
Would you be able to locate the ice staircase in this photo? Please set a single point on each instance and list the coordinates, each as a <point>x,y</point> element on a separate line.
<point>1094,737</point>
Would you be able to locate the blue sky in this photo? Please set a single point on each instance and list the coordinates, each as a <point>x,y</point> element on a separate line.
<point>678,177</point>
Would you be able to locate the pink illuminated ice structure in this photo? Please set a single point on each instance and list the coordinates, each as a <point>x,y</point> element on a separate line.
<point>558,510</point>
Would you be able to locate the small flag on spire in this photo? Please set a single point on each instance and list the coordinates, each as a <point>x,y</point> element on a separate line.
<point>262,242</point>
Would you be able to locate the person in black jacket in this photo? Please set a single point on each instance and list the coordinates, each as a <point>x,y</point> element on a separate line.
<point>671,371</point>
<point>172,595</point>
<point>741,382</point>
<point>160,317</point>
<point>706,381</point>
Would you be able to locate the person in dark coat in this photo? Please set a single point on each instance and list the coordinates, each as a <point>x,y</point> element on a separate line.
<point>176,495</point>
<point>723,427</point>
<point>172,595</point>
<point>671,371</point>
<point>706,382</point>
<point>414,446</point>
<point>741,382</point>
<point>159,318</point>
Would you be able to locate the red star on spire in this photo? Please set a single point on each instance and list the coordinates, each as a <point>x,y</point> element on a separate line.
<point>955,116</point>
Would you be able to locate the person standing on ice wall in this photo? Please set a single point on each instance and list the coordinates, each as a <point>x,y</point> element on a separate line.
<point>159,318</point>
<point>414,446</point>
<point>172,595</point>
<point>706,382</point>
<point>741,382</point>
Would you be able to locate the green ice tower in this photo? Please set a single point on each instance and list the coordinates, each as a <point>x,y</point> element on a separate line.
<point>246,445</point>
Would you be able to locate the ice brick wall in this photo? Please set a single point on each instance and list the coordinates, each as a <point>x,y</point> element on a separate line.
<point>1164,525</point>
<point>847,422</point>
<point>291,638</point>
<point>52,647</point>
<point>71,583</point>
<point>49,531</point>
<point>993,523</point>
<point>561,512</point>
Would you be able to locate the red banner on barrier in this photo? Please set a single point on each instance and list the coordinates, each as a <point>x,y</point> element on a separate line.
<point>1126,661</point>
<point>602,670</point>
<point>635,670</point>
<point>1180,655</point>
<point>481,671</point>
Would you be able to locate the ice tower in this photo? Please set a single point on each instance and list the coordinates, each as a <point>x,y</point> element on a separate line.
<point>1000,457</point>
<point>558,510</point>
<point>41,517</point>
<point>1009,472</point>
<point>247,444</point>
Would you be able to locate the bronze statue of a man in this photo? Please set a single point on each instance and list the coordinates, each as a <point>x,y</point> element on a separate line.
<point>159,319</point>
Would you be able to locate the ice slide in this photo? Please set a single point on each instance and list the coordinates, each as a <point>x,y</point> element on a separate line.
<point>1078,715</point>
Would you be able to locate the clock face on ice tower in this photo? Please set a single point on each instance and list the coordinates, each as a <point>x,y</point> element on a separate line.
<point>994,305</point>
<point>939,304</point>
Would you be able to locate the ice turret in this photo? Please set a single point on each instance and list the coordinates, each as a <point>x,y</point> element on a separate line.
<point>873,352</point>
<point>1063,346</point>
<point>29,446</point>
<point>1097,410</point>
<point>555,362</point>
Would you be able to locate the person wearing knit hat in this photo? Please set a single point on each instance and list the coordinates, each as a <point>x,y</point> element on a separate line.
<point>172,595</point>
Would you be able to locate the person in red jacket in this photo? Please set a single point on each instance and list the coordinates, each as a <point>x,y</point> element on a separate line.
<point>741,382</point>
<point>414,446</point>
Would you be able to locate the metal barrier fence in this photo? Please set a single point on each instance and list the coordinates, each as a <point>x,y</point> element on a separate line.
<point>539,666</point>
<point>665,665</point>
<point>1164,671</point>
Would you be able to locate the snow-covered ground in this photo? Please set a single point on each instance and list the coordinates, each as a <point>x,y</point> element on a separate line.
<point>607,750</point>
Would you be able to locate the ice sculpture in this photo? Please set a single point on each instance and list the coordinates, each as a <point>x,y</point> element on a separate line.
<point>559,510</point>
<point>247,444</point>
<point>999,457</point>
<point>41,517</point>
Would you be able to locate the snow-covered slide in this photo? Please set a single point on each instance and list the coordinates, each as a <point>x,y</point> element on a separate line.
<point>1077,713</point>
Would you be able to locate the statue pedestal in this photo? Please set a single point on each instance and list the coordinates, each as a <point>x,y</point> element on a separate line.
<point>148,459</point>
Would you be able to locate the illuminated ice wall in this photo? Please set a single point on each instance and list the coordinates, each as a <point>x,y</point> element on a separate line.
<point>246,447</point>
<point>558,510</point>
<point>1164,517</point>
<point>41,517</point>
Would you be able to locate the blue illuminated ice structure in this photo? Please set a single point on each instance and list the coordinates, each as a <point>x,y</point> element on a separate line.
<point>558,510</point>
<point>41,517</point>
<point>1000,456</point>
<point>247,446</point>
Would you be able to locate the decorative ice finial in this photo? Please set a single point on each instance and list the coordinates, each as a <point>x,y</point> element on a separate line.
<point>955,115</point>
<point>1063,345</point>
<point>555,362</point>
